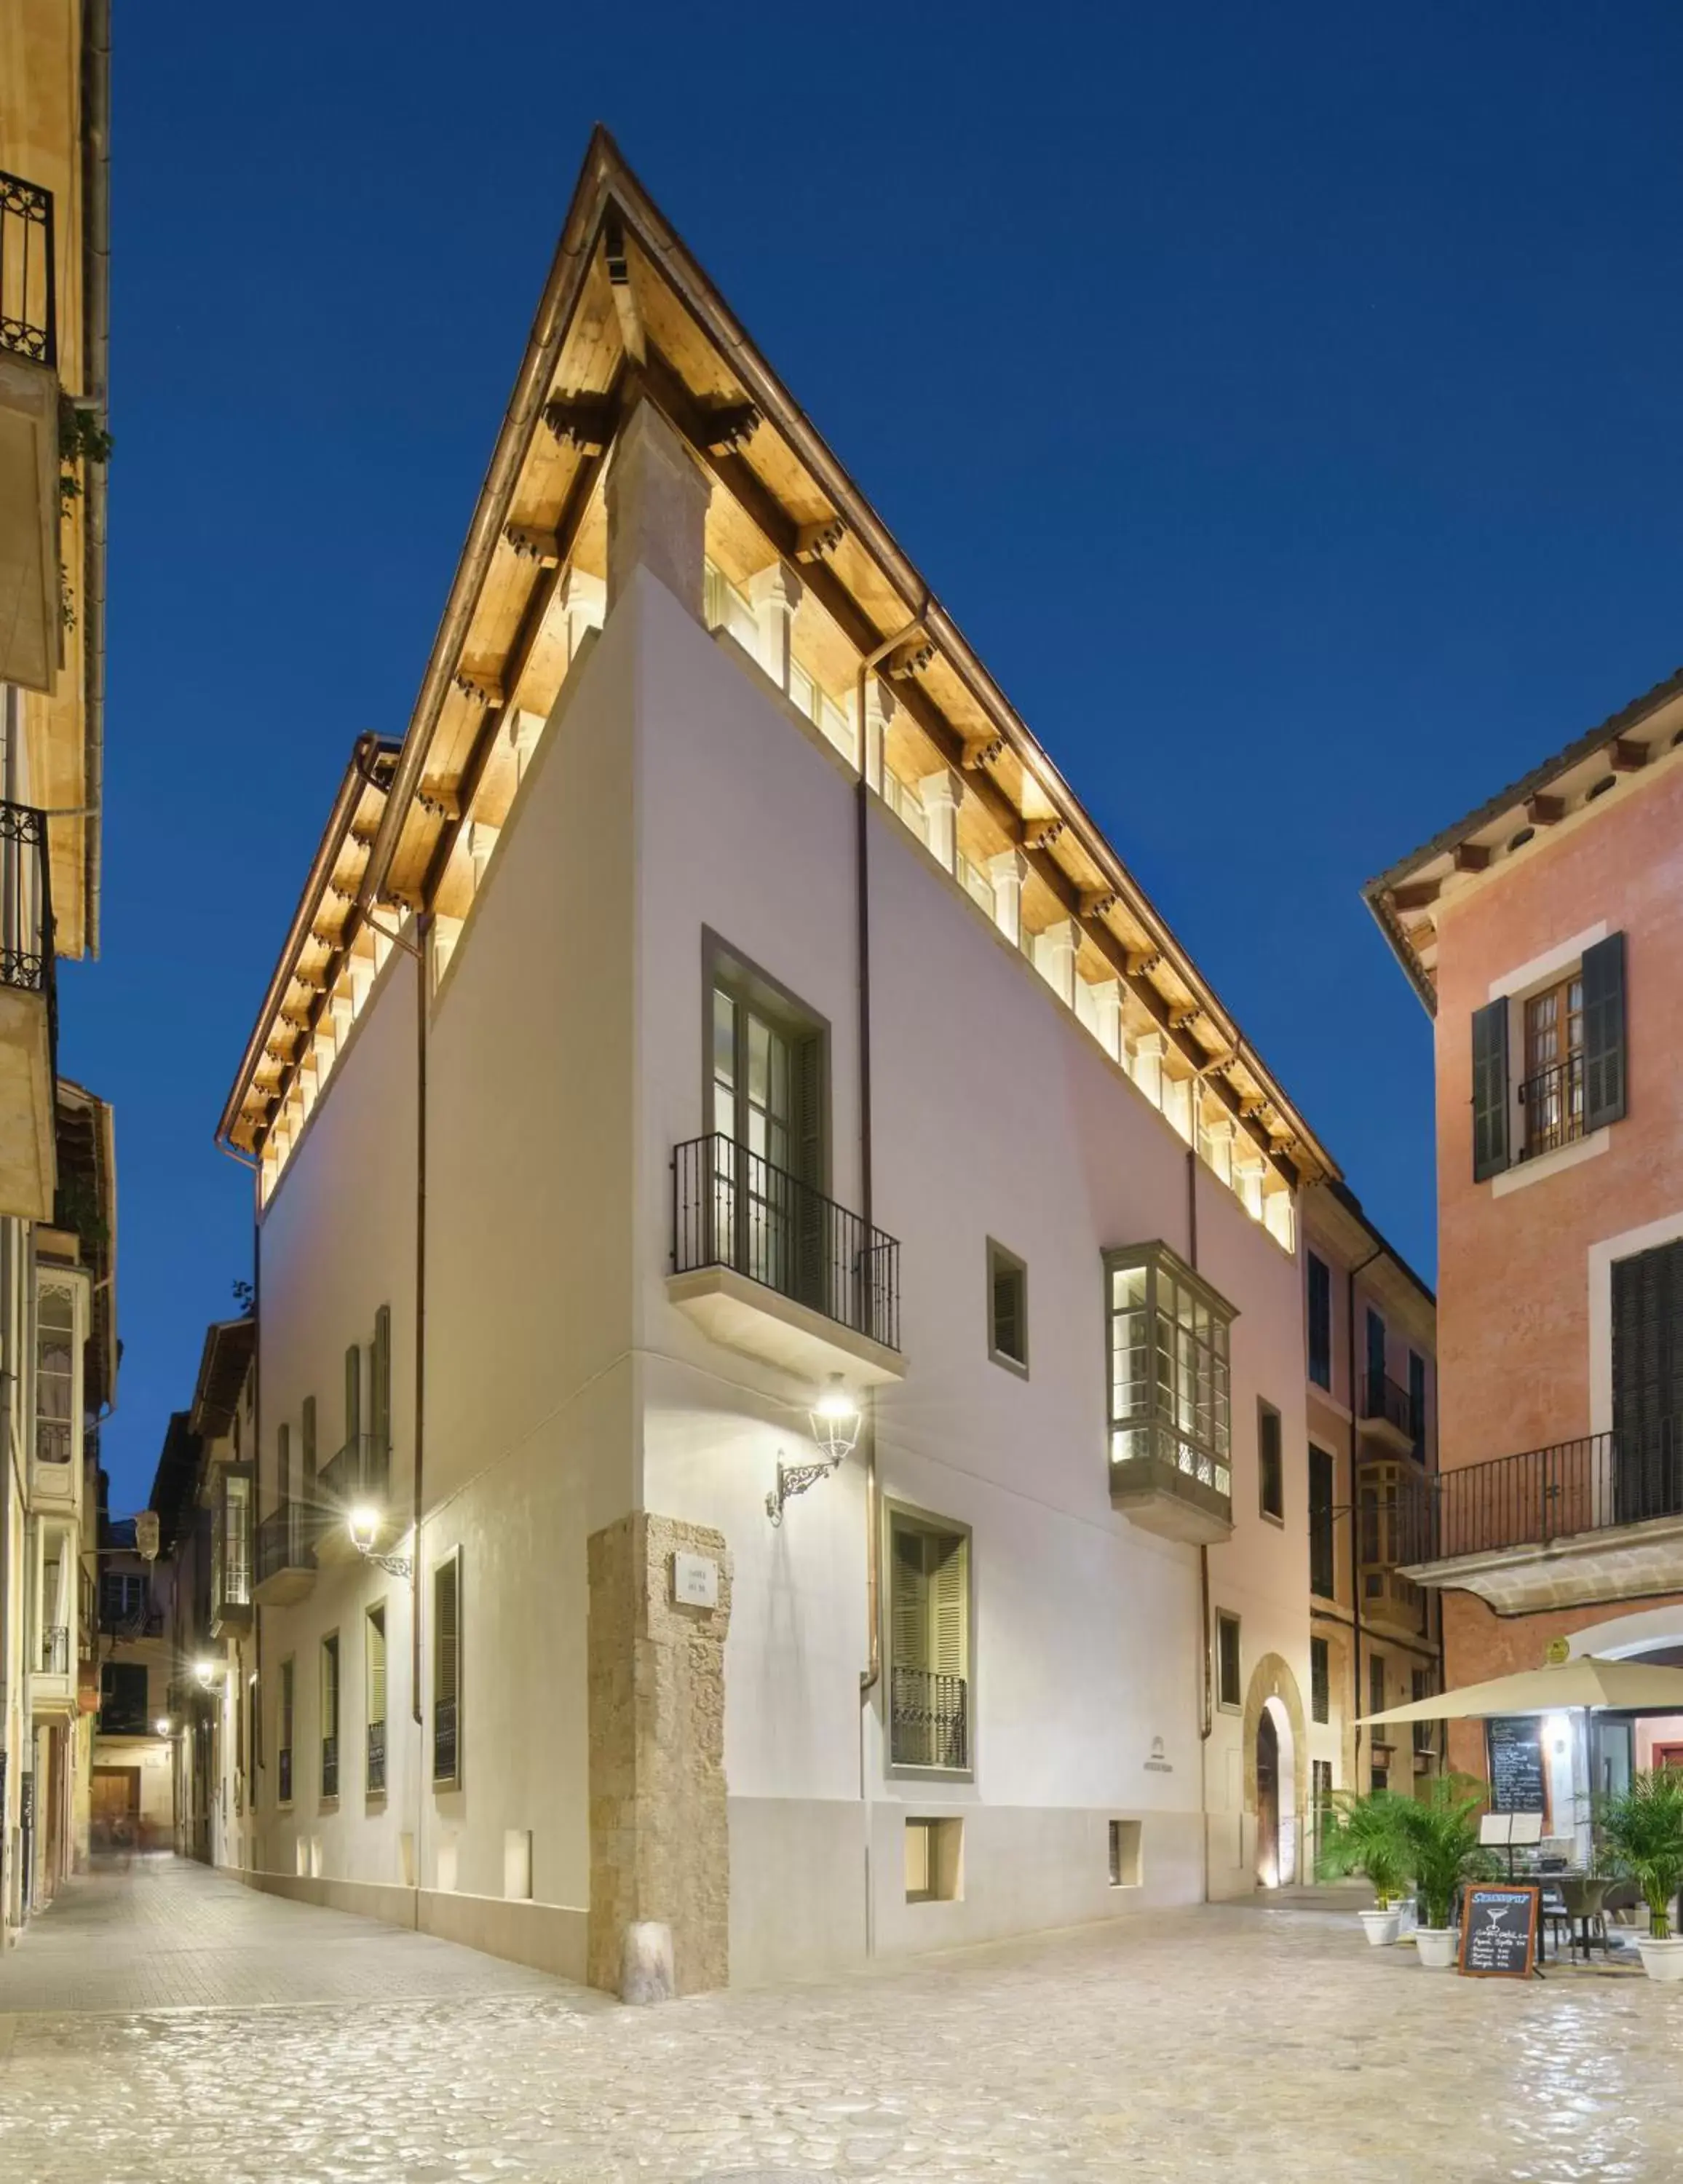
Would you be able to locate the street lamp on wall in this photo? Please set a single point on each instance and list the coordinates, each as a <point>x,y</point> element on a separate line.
<point>835,1419</point>
<point>363,1524</point>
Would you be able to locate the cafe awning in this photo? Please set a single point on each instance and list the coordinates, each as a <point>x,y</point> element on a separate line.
<point>1556,1688</point>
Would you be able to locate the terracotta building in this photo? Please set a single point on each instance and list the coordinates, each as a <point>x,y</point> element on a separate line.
<point>1542,933</point>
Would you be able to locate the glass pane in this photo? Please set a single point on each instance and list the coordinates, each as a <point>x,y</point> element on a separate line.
<point>724,1038</point>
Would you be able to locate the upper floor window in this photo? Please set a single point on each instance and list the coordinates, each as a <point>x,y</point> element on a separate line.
<point>1567,1037</point>
<point>1320,1322</point>
<point>55,1373</point>
<point>767,1077</point>
<point>1170,1398</point>
<point>1323,1563</point>
<point>1230,1681</point>
<point>125,1596</point>
<point>1270,1462</point>
<point>1417,1401</point>
<point>1008,1308</point>
<point>1320,1680</point>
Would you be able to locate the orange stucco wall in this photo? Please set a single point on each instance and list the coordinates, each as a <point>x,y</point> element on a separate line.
<point>1513,1295</point>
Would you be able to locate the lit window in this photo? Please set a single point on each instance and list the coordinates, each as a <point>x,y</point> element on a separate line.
<point>1170,1390</point>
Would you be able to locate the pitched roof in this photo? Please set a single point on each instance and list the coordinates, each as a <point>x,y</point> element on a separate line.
<point>1619,748</point>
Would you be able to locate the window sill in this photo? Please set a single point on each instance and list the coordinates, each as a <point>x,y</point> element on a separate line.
<point>328,1805</point>
<point>444,1782</point>
<point>898,1771</point>
<point>1274,1516</point>
<point>1546,1164</point>
<point>1016,1365</point>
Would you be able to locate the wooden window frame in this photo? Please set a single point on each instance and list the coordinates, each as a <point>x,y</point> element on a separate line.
<point>1265,1410</point>
<point>1224,1619</point>
<point>904,1516</point>
<point>1004,1262</point>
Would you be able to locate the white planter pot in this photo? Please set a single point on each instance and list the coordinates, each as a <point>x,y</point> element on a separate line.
<point>1662,1960</point>
<point>1436,1946</point>
<point>1381,1926</point>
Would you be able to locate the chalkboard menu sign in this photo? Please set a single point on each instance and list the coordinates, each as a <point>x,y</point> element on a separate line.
<point>1518,1782</point>
<point>1499,1930</point>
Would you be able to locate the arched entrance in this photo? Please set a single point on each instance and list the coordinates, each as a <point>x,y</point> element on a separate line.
<point>1276,1765</point>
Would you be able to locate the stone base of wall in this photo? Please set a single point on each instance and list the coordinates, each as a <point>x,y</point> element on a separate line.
<point>550,1938</point>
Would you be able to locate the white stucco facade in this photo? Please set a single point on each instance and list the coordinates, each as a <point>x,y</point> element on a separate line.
<point>676,800</point>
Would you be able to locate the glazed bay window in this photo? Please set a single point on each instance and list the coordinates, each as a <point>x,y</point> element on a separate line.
<point>1170,1410</point>
<point>928,1645</point>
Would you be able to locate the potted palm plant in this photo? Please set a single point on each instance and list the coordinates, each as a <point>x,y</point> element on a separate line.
<point>1642,1836</point>
<point>1438,1839</point>
<point>1361,1836</point>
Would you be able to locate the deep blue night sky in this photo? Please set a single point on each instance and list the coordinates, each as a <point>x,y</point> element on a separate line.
<point>1284,401</point>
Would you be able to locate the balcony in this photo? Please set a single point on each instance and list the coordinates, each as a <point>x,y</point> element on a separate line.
<point>53,1686</point>
<point>1166,1485</point>
<point>358,1475</point>
<point>29,1015</point>
<point>1388,1597</point>
<point>1595,1519</point>
<point>764,1264</point>
<point>377,1759</point>
<point>285,1556</point>
<point>1387,1414</point>
<point>929,1719</point>
<point>1553,1105</point>
<point>30,627</point>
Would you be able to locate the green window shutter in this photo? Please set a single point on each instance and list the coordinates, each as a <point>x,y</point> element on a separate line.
<point>330,1687</point>
<point>909,1601</point>
<point>1489,1090</point>
<point>352,1393</point>
<point>447,1634</point>
<point>380,1391</point>
<point>283,1467</point>
<point>377,1665</point>
<point>307,1433</point>
<point>948,1606</point>
<point>1604,1069</point>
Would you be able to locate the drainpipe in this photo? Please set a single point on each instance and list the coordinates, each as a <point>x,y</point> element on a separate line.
<point>872,1675</point>
<point>1207,1718</point>
<point>1358,1709</point>
<point>422,922</point>
<point>95,185</point>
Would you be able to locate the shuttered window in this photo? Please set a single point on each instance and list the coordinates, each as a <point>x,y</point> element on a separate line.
<point>1270,1462</point>
<point>1648,1384</point>
<point>1320,1680</point>
<point>447,1671</point>
<point>283,1739</point>
<point>1376,1698</point>
<point>380,1404</point>
<point>330,1716</point>
<point>929,1682</point>
<point>1323,1572</point>
<point>1604,1060</point>
<point>1229,1683</point>
<point>1489,1090</point>
<point>1320,1322</point>
<point>352,1393</point>
<point>375,1650</point>
<point>1008,1308</point>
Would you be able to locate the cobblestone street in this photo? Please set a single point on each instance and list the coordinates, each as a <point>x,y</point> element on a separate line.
<point>170,2027</point>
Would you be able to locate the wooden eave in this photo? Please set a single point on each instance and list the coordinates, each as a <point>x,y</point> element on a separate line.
<point>324,928</point>
<point>496,647</point>
<point>1404,900</point>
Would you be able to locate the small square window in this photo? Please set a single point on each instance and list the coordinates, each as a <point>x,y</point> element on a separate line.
<point>934,1861</point>
<point>1007,1309</point>
<point>1230,1687</point>
<point>1270,1463</point>
<point>1125,1839</point>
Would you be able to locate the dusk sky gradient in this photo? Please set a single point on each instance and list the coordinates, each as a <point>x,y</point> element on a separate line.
<point>1285,402</point>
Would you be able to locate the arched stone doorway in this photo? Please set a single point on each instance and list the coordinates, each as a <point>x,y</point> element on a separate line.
<point>1276,1770</point>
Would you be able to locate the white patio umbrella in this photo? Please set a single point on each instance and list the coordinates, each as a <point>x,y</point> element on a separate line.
<point>1557,1687</point>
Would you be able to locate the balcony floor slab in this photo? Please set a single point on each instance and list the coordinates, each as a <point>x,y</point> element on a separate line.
<point>748,1316</point>
<point>1621,1561</point>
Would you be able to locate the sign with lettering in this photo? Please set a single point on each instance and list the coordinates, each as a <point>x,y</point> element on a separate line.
<point>1499,1929</point>
<point>695,1580</point>
<point>1519,1777</point>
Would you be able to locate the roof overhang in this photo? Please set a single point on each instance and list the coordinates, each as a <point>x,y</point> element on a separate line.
<point>1591,774</point>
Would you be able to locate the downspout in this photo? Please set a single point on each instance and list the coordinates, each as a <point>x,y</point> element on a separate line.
<point>96,183</point>
<point>1358,1709</point>
<point>1207,1719</point>
<point>422,922</point>
<point>872,1675</point>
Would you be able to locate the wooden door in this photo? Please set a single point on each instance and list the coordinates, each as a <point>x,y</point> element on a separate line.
<point>1667,1755</point>
<point>113,1804</point>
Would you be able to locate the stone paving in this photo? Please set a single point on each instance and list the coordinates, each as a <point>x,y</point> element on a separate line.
<point>1218,2044</point>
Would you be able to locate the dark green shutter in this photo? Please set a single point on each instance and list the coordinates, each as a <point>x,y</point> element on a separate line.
<point>1604,1070</point>
<point>1489,1090</point>
<point>380,1402</point>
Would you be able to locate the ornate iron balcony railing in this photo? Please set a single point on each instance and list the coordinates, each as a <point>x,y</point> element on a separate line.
<point>1553,1102</point>
<point>330,1766</point>
<point>929,1720</point>
<point>731,1208</point>
<point>376,1758</point>
<point>446,1752</point>
<point>28,312</point>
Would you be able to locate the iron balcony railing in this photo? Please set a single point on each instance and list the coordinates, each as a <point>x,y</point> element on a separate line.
<point>283,1771</point>
<point>286,1540</point>
<point>27,962</point>
<point>1553,1102</point>
<point>1384,1398</point>
<point>446,1755</point>
<point>28,312</point>
<point>55,1650</point>
<point>376,1758</point>
<point>1590,1484</point>
<point>330,1766</point>
<point>358,1472</point>
<point>929,1720</point>
<point>731,1208</point>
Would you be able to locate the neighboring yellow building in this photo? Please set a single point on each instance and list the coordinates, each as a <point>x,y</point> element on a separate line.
<point>55,1294</point>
